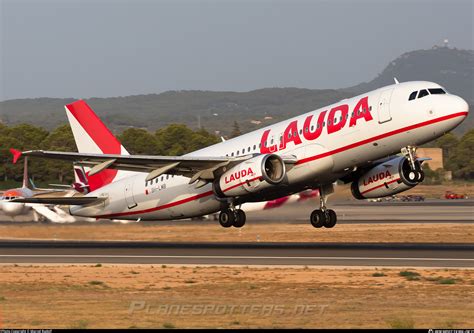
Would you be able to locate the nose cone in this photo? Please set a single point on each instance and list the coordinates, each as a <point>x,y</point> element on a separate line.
<point>459,106</point>
<point>456,110</point>
<point>453,107</point>
<point>13,208</point>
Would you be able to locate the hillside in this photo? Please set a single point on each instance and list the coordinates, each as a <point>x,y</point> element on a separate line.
<point>452,68</point>
<point>217,111</point>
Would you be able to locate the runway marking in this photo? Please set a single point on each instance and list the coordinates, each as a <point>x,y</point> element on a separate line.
<point>224,257</point>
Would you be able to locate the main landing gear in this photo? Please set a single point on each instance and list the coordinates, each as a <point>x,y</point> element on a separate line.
<point>232,217</point>
<point>416,174</point>
<point>323,217</point>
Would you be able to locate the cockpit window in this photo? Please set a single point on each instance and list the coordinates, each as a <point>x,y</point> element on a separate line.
<point>423,93</point>
<point>412,95</point>
<point>437,91</point>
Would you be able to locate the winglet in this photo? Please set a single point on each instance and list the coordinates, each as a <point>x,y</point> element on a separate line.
<point>16,155</point>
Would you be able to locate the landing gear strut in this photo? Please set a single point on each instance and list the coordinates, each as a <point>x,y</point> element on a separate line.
<point>416,174</point>
<point>323,217</point>
<point>232,217</point>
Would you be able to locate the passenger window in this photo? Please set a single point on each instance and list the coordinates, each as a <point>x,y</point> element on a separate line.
<point>412,95</point>
<point>423,93</point>
<point>232,154</point>
<point>437,91</point>
<point>254,147</point>
<point>248,150</point>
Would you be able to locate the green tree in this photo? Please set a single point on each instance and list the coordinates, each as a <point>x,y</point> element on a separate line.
<point>139,141</point>
<point>464,156</point>
<point>178,139</point>
<point>21,137</point>
<point>60,139</point>
<point>201,139</point>
<point>448,144</point>
<point>235,130</point>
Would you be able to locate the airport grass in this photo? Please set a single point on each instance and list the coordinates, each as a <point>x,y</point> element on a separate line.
<point>62,296</point>
<point>253,232</point>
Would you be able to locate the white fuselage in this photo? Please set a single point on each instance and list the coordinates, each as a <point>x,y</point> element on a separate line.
<point>351,133</point>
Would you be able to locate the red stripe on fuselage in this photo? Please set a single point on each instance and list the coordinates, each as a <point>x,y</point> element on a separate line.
<point>168,205</point>
<point>306,160</point>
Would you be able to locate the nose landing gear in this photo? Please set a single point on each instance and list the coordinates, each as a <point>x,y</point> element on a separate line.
<point>416,174</point>
<point>324,217</point>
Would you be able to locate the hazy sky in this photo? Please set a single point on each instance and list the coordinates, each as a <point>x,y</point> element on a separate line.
<point>69,48</point>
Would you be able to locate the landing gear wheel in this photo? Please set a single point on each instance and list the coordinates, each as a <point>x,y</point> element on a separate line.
<point>317,218</point>
<point>413,176</point>
<point>330,218</point>
<point>240,218</point>
<point>227,218</point>
<point>420,176</point>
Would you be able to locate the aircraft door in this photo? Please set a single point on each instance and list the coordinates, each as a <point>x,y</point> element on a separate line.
<point>129,198</point>
<point>384,106</point>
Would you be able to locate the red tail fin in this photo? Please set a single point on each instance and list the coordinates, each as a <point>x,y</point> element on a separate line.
<point>92,136</point>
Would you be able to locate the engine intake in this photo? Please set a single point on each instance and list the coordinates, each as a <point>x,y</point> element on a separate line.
<point>251,176</point>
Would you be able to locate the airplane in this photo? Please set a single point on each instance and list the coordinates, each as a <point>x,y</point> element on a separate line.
<point>52,213</point>
<point>368,140</point>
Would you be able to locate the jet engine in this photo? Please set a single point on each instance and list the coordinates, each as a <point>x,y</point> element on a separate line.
<point>386,179</point>
<point>250,176</point>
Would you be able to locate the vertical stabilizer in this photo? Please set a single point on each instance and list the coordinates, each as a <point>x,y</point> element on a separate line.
<point>92,136</point>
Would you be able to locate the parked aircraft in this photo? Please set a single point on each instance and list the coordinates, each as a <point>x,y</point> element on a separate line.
<point>354,140</point>
<point>52,213</point>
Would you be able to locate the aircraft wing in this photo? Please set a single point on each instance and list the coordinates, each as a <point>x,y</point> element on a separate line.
<point>195,167</point>
<point>59,200</point>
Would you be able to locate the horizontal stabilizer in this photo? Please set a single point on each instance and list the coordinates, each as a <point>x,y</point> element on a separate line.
<point>60,200</point>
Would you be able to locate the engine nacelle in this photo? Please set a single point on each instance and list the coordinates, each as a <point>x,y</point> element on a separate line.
<point>386,179</point>
<point>251,176</point>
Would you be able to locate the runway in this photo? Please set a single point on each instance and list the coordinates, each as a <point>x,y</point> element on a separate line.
<point>320,254</point>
